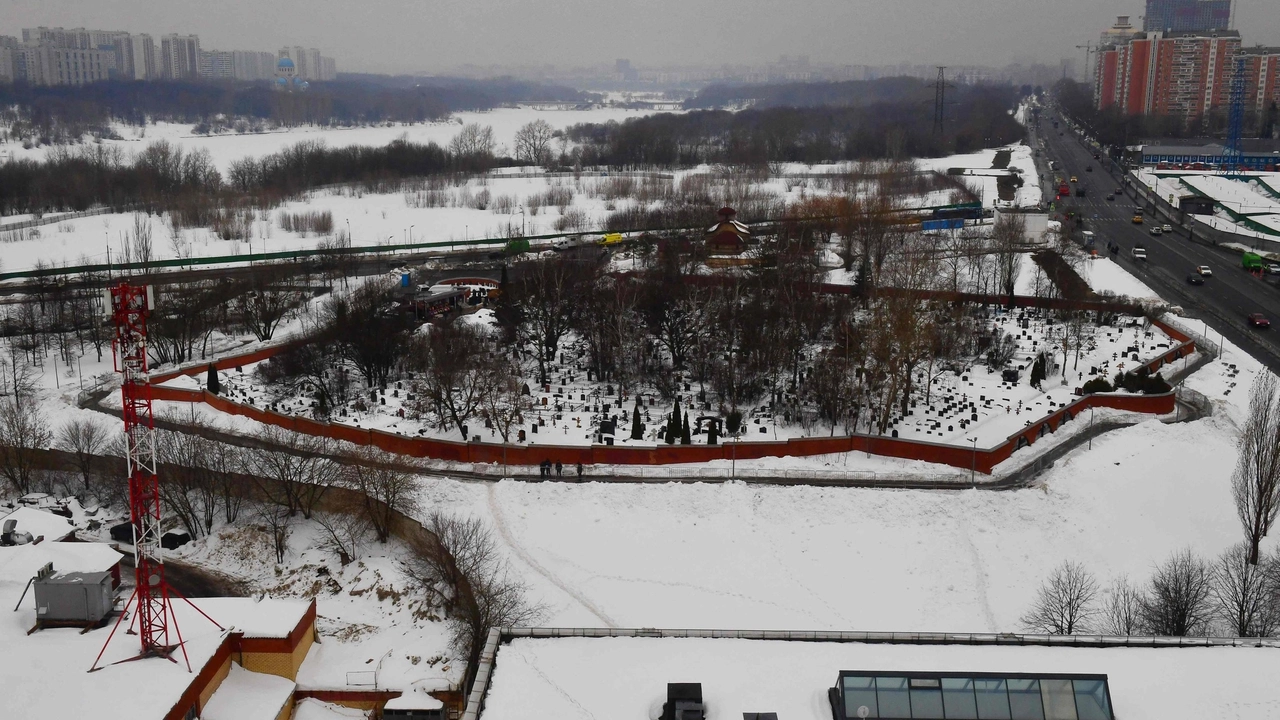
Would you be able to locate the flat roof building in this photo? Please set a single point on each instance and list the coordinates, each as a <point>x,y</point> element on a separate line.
<point>548,672</point>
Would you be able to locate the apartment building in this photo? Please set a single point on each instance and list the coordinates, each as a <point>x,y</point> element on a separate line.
<point>180,57</point>
<point>1185,73</point>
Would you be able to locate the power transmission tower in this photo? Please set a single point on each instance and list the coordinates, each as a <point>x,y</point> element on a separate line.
<point>1233,153</point>
<point>940,102</point>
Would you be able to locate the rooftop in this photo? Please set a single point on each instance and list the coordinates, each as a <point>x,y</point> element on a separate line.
<point>19,563</point>
<point>246,695</point>
<point>46,673</point>
<point>39,522</point>
<point>628,676</point>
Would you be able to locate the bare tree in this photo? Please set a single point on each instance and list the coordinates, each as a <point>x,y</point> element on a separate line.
<point>344,533</point>
<point>23,435</point>
<point>456,374</point>
<point>262,303</point>
<point>474,141</point>
<point>279,524</point>
<point>186,488</point>
<point>292,469</point>
<point>386,491</point>
<point>84,438</point>
<point>1006,245</point>
<point>547,295</point>
<point>142,249</point>
<point>1245,594</point>
<point>1255,485</point>
<point>458,564</point>
<point>1122,611</point>
<point>1065,602</point>
<point>533,142</point>
<point>1179,599</point>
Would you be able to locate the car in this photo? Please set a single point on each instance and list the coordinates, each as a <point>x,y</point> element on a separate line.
<point>1111,197</point>
<point>1096,156</point>
<point>1273,269</point>
<point>1204,271</point>
<point>1075,179</point>
<point>1258,320</point>
<point>1088,168</point>
<point>1195,279</point>
<point>1137,219</point>
<point>1167,228</point>
<point>1155,230</point>
<point>1139,253</point>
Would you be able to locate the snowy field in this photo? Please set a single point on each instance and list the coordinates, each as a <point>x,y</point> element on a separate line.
<point>228,147</point>
<point>1104,276</point>
<point>512,201</point>
<point>983,176</point>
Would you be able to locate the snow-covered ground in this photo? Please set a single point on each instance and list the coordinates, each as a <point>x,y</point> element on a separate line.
<point>517,200</point>
<point>738,556</point>
<point>1105,276</point>
<point>226,148</point>
<point>982,176</point>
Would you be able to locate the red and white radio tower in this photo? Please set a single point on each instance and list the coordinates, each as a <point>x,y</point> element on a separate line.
<point>130,306</point>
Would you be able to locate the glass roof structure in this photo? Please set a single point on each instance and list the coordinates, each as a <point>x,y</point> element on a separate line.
<point>971,696</point>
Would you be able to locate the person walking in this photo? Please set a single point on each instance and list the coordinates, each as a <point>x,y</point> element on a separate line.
<point>559,471</point>
<point>579,472</point>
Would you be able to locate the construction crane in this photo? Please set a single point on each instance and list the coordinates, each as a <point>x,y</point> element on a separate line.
<point>1233,152</point>
<point>153,618</point>
<point>1088,49</point>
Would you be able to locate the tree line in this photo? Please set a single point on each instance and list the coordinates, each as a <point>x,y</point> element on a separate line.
<point>979,118</point>
<point>1116,128</point>
<point>43,114</point>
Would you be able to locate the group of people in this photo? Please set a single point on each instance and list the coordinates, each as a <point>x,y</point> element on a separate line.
<point>545,467</point>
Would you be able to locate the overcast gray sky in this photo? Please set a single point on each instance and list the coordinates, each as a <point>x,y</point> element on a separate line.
<point>434,35</point>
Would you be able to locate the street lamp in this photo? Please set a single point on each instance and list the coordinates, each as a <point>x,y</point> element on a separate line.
<point>411,227</point>
<point>521,209</point>
<point>973,466</point>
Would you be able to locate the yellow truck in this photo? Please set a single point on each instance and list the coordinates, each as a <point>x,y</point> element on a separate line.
<point>610,239</point>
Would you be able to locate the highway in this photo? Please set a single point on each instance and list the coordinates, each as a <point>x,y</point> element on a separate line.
<point>1222,302</point>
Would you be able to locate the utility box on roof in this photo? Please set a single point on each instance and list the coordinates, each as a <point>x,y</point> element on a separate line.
<point>73,597</point>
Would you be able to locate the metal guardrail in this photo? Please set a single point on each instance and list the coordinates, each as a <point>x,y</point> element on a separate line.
<point>911,638</point>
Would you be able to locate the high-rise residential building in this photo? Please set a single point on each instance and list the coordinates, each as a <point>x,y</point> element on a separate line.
<point>1262,77</point>
<point>9,58</point>
<point>249,65</point>
<point>1186,74</point>
<point>330,68</point>
<point>217,64</point>
<point>180,55</point>
<point>1187,15</point>
<point>142,49</point>
<point>51,65</point>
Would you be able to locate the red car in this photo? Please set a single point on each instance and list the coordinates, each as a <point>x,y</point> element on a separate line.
<point>1258,320</point>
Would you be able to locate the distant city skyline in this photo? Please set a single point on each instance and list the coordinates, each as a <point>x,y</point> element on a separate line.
<point>404,36</point>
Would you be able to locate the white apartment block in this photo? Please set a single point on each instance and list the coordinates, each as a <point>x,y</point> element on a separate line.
<point>180,55</point>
